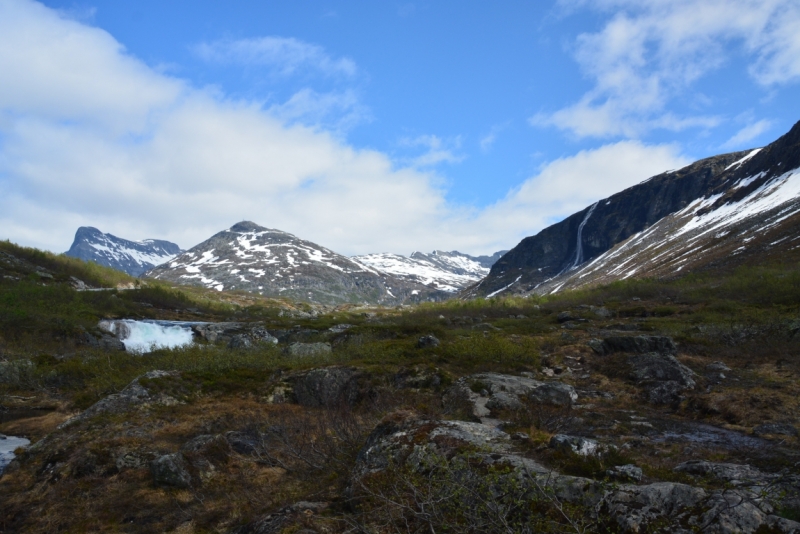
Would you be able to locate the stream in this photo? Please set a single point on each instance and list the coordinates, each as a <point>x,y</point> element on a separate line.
<point>7,446</point>
<point>147,335</point>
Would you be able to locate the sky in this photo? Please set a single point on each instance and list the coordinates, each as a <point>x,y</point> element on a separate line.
<point>371,126</point>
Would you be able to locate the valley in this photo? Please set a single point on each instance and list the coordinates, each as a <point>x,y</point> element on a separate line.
<point>632,368</point>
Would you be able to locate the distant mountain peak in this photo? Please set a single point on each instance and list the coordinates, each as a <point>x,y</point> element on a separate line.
<point>132,257</point>
<point>250,257</point>
<point>249,226</point>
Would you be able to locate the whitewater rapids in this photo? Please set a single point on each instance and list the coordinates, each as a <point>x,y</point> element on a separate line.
<point>145,336</point>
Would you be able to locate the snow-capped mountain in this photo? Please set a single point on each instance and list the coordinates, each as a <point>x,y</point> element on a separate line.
<point>132,257</point>
<point>445,271</point>
<point>715,213</point>
<point>274,263</point>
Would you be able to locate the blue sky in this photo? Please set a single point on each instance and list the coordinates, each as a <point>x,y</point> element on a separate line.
<point>371,126</point>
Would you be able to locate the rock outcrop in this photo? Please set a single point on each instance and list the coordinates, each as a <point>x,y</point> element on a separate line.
<point>467,453</point>
<point>133,396</point>
<point>487,392</point>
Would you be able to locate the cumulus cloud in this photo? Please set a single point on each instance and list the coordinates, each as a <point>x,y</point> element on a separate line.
<point>285,55</point>
<point>649,53</point>
<point>89,135</point>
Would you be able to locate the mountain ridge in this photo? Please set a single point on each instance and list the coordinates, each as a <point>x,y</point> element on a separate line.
<point>666,208</point>
<point>131,257</point>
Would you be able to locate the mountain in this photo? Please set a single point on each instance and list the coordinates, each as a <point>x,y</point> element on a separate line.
<point>274,263</point>
<point>132,257</point>
<point>445,271</point>
<point>717,212</point>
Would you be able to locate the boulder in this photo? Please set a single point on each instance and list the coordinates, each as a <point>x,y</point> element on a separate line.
<point>134,395</point>
<point>339,328</point>
<point>637,344</point>
<point>428,341</point>
<point>171,470</point>
<point>574,444</point>
<point>301,350</point>
<point>662,376</point>
<point>328,387</point>
<point>565,316</point>
<point>554,393</point>
<point>261,335</point>
<point>504,401</point>
<point>240,341</point>
<point>625,473</point>
<point>217,332</point>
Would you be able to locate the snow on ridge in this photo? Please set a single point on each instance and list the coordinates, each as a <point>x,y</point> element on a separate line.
<point>740,162</point>
<point>423,271</point>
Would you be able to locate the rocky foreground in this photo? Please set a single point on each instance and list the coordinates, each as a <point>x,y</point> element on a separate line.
<point>343,448</point>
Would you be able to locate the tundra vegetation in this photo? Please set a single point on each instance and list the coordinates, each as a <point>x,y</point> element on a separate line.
<point>564,413</point>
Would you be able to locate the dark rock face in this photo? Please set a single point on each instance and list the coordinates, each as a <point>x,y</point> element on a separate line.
<point>132,257</point>
<point>640,344</point>
<point>273,263</point>
<point>558,252</point>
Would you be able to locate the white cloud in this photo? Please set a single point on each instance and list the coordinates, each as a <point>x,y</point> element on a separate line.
<point>92,136</point>
<point>437,150</point>
<point>649,53</point>
<point>748,133</point>
<point>339,111</point>
<point>286,56</point>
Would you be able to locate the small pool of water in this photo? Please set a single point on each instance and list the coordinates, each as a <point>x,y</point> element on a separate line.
<point>8,444</point>
<point>148,335</point>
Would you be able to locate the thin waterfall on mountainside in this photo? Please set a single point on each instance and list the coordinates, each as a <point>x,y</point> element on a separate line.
<point>579,247</point>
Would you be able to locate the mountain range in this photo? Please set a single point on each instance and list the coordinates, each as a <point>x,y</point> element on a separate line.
<point>270,262</point>
<point>719,211</point>
<point>446,271</point>
<point>715,213</point>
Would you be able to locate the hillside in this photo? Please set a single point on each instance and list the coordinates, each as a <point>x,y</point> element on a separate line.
<point>714,213</point>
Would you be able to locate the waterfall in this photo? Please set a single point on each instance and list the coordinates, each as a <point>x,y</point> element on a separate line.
<point>7,446</point>
<point>144,336</point>
<point>579,247</point>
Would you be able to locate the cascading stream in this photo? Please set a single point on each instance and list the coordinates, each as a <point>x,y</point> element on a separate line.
<point>579,246</point>
<point>144,336</point>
